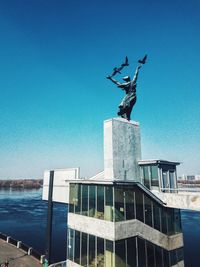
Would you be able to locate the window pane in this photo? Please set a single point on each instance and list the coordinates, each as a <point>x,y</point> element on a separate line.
<point>131,252</point>
<point>120,255</point>
<point>71,198</point>
<point>92,258</point>
<point>141,252</point>
<point>158,256</point>
<point>164,220</point>
<point>156,216</point>
<point>70,253</point>
<point>173,258</point>
<point>100,202</point>
<point>84,240</point>
<point>109,203</point>
<point>150,254</point>
<point>148,211</point>
<point>92,200</point>
<point>172,180</point>
<point>154,176</point>
<point>146,176</point>
<point>180,255</point>
<point>166,258</point>
<point>84,200</point>
<point>100,252</point>
<point>119,204</point>
<point>129,204</point>
<point>109,254</point>
<point>77,199</point>
<point>77,247</point>
<point>177,221</point>
<point>139,205</point>
<point>170,221</point>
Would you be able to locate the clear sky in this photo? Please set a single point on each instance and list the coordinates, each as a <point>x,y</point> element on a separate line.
<point>54,97</point>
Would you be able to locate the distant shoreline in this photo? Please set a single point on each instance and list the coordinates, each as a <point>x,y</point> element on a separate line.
<point>21,184</point>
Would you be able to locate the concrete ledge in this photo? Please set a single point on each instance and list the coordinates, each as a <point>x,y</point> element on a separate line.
<point>121,230</point>
<point>188,201</point>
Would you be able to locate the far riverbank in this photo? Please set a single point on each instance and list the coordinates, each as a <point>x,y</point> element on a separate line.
<point>21,183</point>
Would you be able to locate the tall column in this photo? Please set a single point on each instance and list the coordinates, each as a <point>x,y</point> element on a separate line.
<point>122,149</point>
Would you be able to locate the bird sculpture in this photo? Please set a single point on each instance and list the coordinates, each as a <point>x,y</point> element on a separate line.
<point>143,61</point>
<point>118,70</point>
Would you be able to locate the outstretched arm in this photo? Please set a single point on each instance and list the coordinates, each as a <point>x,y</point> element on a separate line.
<point>114,81</point>
<point>136,74</point>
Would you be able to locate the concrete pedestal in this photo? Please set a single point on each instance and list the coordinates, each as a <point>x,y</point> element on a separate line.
<point>122,149</point>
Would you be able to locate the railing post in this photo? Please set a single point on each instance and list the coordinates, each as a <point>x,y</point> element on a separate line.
<point>42,258</point>
<point>19,244</point>
<point>30,251</point>
<point>8,239</point>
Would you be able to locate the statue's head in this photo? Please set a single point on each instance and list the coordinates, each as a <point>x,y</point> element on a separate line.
<point>127,78</point>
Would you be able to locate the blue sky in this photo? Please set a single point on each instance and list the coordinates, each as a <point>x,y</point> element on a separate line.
<point>54,57</point>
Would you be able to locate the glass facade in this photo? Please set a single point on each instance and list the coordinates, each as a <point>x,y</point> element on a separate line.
<point>161,177</point>
<point>123,202</point>
<point>91,251</point>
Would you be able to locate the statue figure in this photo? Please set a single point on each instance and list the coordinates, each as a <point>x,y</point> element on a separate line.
<point>125,107</point>
<point>129,87</point>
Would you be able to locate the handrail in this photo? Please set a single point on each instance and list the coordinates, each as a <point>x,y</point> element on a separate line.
<point>182,189</point>
<point>59,264</point>
<point>20,245</point>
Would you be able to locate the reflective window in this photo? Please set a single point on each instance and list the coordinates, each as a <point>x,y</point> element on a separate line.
<point>119,204</point>
<point>150,254</point>
<point>131,252</point>
<point>166,258</point>
<point>77,247</point>
<point>148,211</point>
<point>109,254</point>
<point>180,256</point>
<point>158,256</point>
<point>70,253</point>
<point>139,205</point>
<point>84,200</point>
<point>177,221</point>
<point>164,220</point>
<point>100,202</point>
<point>129,204</point>
<point>77,198</point>
<point>156,216</point>
<point>172,180</point>
<point>84,240</point>
<point>170,221</point>
<point>91,252</point>
<point>173,258</point>
<point>100,252</point>
<point>154,176</point>
<point>141,252</point>
<point>120,253</point>
<point>92,200</point>
<point>71,198</point>
<point>146,176</point>
<point>108,216</point>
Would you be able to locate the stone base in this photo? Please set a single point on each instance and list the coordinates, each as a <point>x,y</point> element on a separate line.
<point>122,149</point>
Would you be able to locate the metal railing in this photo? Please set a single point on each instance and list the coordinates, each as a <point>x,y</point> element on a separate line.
<point>180,189</point>
<point>20,245</point>
<point>59,264</point>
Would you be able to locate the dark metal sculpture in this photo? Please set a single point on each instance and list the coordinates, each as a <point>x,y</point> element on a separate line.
<point>129,87</point>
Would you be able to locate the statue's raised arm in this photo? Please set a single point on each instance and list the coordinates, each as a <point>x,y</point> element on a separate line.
<point>129,86</point>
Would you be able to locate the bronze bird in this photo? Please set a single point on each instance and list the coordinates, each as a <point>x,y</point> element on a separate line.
<point>143,61</point>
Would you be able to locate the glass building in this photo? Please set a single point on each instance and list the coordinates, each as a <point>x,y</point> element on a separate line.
<point>159,175</point>
<point>121,224</point>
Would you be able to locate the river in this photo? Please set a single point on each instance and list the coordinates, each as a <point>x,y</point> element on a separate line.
<point>23,216</point>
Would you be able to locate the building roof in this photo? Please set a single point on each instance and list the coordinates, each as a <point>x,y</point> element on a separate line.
<point>157,162</point>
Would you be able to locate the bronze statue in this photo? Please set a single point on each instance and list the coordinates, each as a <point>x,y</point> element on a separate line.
<point>129,87</point>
